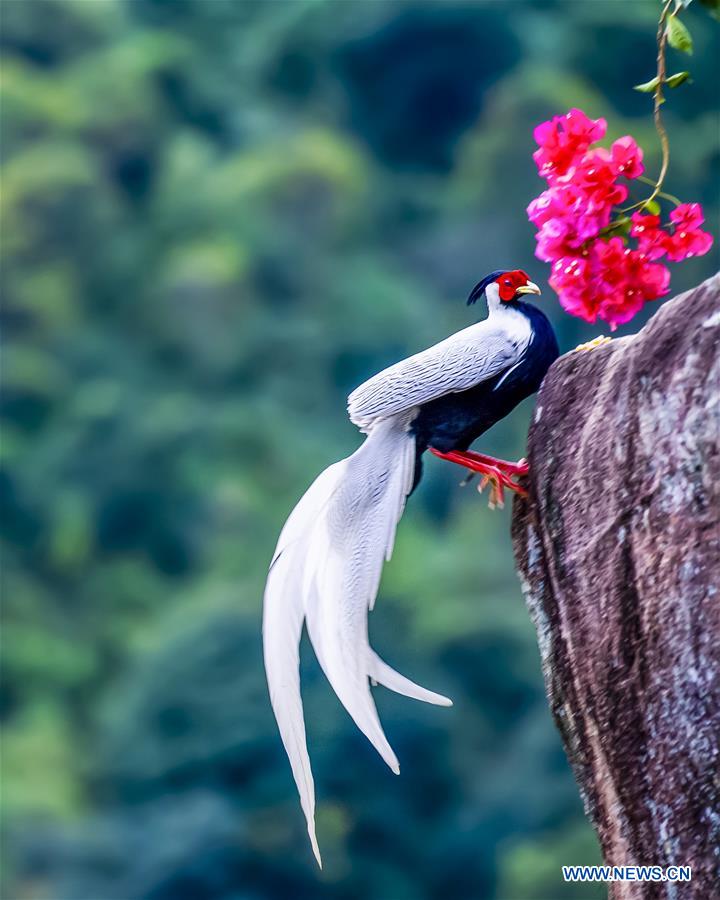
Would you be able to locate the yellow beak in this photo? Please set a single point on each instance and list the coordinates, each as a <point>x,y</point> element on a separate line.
<point>529,288</point>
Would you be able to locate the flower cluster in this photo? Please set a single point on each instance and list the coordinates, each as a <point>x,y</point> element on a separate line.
<point>687,239</point>
<point>595,272</point>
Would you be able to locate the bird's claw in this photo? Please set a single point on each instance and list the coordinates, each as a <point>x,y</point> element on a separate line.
<point>591,345</point>
<point>497,495</point>
<point>498,481</point>
<point>497,473</point>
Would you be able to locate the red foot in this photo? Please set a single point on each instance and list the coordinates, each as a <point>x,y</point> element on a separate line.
<point>520,467</point>
<point>496,472</point>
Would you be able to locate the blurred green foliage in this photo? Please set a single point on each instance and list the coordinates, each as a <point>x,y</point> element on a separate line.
<point>219,217</point>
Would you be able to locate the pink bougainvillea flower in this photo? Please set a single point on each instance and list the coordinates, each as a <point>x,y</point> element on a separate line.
<point>654,279</point>
<point>596,273</point>
<point>652,240</point>
<point>543,208</point>
<point>683,245</point>
<point>687,238</point>
<point>625,280</point>
<point>609,282</point>
<point>571,279</point>
<point>564,139</point>
<point>595,176</point>
<point>643,280</point>
<point>688,216</point>
<point>553,240</point>
<point>627,157</point>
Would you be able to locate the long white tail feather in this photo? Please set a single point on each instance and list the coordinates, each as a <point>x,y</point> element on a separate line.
<point>282,629</point>
<point>337,617</point>
<point>326,570</point>
<point>308,507</point>
<point>383,674</point>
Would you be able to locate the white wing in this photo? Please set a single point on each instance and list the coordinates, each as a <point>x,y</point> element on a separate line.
<point>456,364</point>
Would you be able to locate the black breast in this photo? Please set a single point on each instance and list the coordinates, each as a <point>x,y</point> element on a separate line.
<point>454,421</point>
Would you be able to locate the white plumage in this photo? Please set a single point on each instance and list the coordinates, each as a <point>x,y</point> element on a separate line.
<point>327,565</point>
<point>455,364</point>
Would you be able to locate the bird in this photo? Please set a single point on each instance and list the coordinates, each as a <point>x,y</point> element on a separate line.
<point>325,571</point>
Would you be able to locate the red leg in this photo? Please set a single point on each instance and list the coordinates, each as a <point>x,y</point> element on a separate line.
<point>493,475</point>
<point>520,467</point>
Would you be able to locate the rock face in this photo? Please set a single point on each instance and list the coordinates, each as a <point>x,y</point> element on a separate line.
<point>618,549</point>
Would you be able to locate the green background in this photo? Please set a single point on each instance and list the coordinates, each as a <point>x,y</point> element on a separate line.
<point>218,218</point>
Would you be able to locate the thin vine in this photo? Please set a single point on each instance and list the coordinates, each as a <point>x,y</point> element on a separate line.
<point>659,99</point>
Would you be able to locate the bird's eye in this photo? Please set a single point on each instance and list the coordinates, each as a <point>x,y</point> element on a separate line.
<point>507,282</point>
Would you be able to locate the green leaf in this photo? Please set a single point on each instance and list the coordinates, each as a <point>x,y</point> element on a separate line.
<point>649,86</point>
<point>622,226</point>
<point>652,207</point>
<point>677,79</point>
<point>678,36</point>
<point>619,227</point>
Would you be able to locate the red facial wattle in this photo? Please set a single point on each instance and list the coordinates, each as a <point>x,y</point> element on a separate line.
<point>509,282</point>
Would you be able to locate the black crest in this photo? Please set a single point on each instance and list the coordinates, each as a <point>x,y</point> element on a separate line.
<point>479,289</point>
